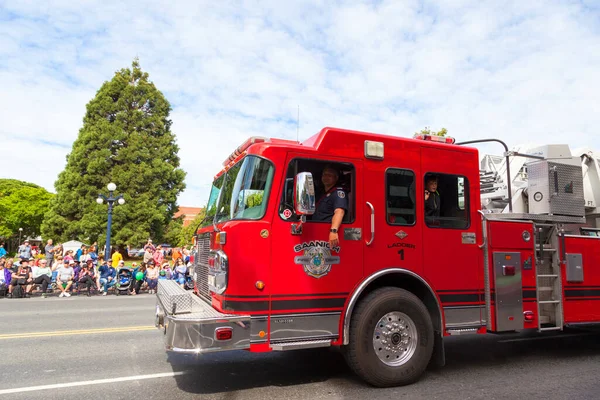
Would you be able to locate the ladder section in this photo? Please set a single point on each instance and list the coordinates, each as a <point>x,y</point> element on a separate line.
<point>548,278</point>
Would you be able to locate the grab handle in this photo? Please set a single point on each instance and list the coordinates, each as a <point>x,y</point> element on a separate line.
<point>372,223</point>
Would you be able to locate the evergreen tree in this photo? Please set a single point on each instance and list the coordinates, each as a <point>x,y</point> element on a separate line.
<point>126,138</point>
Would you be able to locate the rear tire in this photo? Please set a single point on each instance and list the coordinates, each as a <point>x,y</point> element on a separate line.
<point>391,338</point>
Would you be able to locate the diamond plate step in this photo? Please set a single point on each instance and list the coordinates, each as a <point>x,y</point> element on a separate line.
<point>306,344</point>
<point>465,331</point>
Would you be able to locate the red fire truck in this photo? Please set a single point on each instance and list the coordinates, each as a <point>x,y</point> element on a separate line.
<point>405,272</point>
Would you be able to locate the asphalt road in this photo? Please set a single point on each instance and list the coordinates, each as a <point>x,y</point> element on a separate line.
<point>107,346</point>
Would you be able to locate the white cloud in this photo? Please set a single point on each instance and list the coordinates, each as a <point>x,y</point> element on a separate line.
<point>518,71</point>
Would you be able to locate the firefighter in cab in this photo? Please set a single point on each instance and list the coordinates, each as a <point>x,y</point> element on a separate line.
<point>332,205</point>
<point>432,197</point>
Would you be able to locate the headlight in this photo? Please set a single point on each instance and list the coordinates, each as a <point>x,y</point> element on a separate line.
<point>217,272</point>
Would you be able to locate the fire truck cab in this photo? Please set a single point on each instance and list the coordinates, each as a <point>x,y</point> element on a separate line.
<point>417,258</point>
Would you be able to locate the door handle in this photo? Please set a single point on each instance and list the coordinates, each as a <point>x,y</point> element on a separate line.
<point>372,223</point>
<point>483,228</point>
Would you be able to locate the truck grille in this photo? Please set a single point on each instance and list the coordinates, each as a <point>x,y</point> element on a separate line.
<point>201,267</point>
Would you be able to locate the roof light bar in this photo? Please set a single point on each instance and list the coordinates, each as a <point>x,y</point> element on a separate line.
<point>243,147</point>
<point>434,138</point>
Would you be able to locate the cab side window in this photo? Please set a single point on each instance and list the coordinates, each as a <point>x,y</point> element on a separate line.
<point>400,197</point>
<point>446,201</point>
<point>345,181</point>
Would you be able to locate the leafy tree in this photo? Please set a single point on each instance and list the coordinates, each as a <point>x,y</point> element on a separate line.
<point>22,205</point>
<point>427,131</point>
<point>185,237</point>
<point>126,138</point>
<point>173,231</point>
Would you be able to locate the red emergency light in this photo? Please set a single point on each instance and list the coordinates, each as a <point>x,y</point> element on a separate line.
<point>243,147</point>
<point>434,138</point>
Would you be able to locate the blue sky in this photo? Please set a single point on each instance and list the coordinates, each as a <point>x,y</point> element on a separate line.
<point>521,71</point>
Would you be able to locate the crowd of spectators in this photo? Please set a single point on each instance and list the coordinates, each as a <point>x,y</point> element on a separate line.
<point>68,272</point>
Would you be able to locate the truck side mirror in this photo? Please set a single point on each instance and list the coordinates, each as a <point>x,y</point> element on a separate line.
<point>304,199</point>
<point>304,194</point>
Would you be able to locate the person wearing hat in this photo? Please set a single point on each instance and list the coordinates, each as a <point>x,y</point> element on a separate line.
<point>432,197</point>
<point>24,251</point>
<point>166,268</point>
<point>22,278</point>
<point>108,276</point>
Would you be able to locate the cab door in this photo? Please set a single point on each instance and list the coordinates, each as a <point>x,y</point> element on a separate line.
<point>452,260</point>
<point>391,191</point>
<point>310,282</point>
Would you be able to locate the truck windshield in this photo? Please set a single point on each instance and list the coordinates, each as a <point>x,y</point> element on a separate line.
<point>211,207</point>
<point>245,190</point>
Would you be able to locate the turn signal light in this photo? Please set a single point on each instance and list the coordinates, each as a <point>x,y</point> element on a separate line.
<point>223,333</point>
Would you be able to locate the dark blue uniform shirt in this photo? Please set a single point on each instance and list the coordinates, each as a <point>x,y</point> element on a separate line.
<point>335,198</point>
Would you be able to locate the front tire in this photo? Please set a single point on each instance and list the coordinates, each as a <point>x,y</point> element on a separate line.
<point>391,338</point>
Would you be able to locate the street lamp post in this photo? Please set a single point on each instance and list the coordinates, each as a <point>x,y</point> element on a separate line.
<point>110,200</point>
<point>20,231</point>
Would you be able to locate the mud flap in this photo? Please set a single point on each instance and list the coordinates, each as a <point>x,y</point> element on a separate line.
<point>438,358</point>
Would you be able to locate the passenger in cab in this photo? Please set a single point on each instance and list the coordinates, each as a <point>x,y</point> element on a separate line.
<point>432,197</point>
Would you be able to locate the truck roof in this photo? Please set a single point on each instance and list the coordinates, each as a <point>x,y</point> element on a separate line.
<point>336,142</point>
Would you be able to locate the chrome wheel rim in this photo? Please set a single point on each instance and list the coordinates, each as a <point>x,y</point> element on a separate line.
<point>395,338</point>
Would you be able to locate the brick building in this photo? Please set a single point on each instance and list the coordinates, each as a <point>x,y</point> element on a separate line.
<point>188,213</point>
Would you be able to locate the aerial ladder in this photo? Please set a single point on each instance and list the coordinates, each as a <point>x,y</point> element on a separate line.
<point>527,183</point>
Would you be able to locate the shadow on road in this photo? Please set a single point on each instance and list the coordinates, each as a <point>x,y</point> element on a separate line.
<point>238,371</point>
<point>495,350</point>
<point>232,371</point>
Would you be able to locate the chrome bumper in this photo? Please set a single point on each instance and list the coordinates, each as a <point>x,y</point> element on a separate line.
<point>192,330</point>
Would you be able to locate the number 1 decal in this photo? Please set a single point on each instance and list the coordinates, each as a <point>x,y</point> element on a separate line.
<point>401,252</point>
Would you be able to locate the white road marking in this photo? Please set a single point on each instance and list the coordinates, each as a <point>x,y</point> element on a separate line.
<point>96,382</point>
<point>546,337</point>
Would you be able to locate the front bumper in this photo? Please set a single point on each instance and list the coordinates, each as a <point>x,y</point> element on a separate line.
<point>189,323</point>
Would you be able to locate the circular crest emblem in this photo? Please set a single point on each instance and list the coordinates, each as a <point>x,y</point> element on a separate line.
<point>287,213</point>
<point>264,233</point>
<point>316,258</point>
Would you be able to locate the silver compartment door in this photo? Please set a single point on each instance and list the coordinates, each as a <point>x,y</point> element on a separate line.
<point>508,291</point>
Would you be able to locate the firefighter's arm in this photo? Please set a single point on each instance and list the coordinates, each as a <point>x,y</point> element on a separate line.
<point>336,221</point>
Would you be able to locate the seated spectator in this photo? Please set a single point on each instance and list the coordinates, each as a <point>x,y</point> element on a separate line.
<point>9,265</point>
<point>152,277</point>
<point>166,268</point>
<point>86,277</point>
<point>5,277</point>
<point>57,264</point>
<point>94,273</point>
<point>107,277</point>
<point>64,279</point>
<point>136,284</point>
<point>42,274</point>
<point>180,272</point>
<point>162,275</point>
<point>22,278</point>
